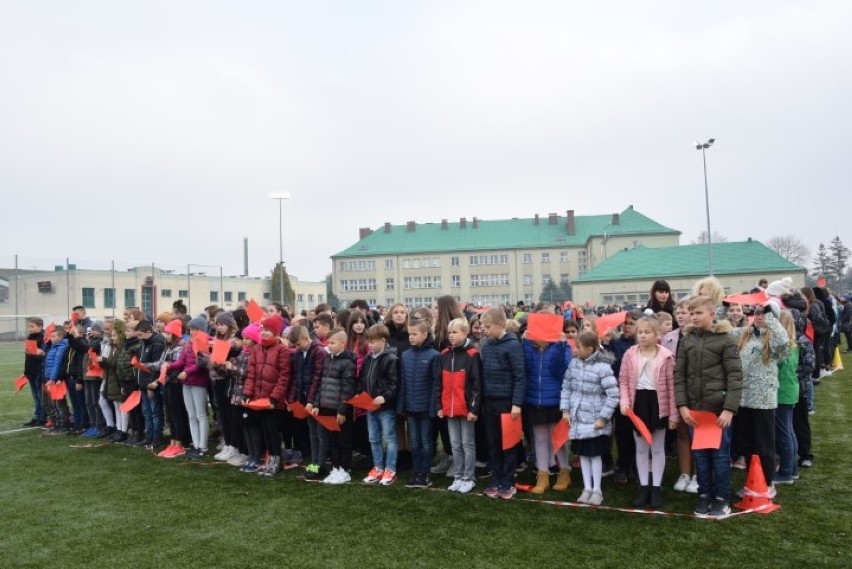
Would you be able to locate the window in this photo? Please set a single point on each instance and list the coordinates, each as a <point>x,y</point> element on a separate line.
<point>582,273</point>
<point>527,258</point>
<point>421,263</point>
<point>310,299</point>
<point>351,285</point>
<point>500,279</point>
<point>489,259</point>
<point>581,254</point>
<point>300,298</point>
<point>421,282</point>
<point>214,296</point>
<point>528,298</point>
<point>183,293</point>
<point>388,263</point>
<point>241,296</point>
<point>88,297</point>
<point>320,298</point>
<point>455,281</point>
<point>454,261</point>
<point>563,256</point>
<point>109,298</point>
<point>545,257</point>
<point>359,265</point>
<point>229,296</point>
<point>166,292</point>
<point>545,278</point>
<point>607,299</point>
<point>563,278</point>
<point>267,295</point>
<point>129,297</point>
<point>388,284</point>
<point>490,299</point>
<point>528,280</point>
<point>389,301</point>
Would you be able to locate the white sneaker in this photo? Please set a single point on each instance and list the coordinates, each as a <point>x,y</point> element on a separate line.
<point>226,453</point>
<point>343,477</point>
<point>682,482</point>
<point>332,478</point>
<point>457,483</point>
<point>238,459</point>
<point>824,373</point>
<point>466,486</point>
<point>692,487</point>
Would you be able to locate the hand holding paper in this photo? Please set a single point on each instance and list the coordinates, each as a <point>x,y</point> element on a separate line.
<point>363,401</point>
<point>220,351</point>
<point>21,382</point>
<point>512,430</point>
<point>31,347</point>
<point>706,434</point>
<point>141,367</point>
<point>640,426</point>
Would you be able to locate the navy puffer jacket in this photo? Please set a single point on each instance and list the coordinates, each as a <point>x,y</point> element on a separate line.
<point>545,371</point>
<point>419,374</point>
<point>503,374</point>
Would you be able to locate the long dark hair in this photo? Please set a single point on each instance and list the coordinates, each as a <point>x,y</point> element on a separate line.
<point>448,310</point>
<point>356,343</point>
<point>661,286</point>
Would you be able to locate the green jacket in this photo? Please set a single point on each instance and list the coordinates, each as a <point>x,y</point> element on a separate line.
<point>788,381</point>
<point>708,372</point>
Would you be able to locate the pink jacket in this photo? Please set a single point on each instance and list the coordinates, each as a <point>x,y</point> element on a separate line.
<point>663,375</point>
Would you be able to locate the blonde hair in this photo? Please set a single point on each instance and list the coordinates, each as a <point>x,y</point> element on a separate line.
<point>652,322</point>
<point>512,326</point>
<point>711,288</point>
<point>663,317</point>
<point>494,316</point>
<point>786,320</point>
<point>593,323</point>
<point>765,337</point>
<point>459,324</point>
<point>683,303</point>
<point>701,301</point>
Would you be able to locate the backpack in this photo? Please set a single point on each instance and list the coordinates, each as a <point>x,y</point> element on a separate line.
<point>820,321</point>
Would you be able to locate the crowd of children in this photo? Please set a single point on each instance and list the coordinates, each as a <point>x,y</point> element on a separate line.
<point>315,389</point>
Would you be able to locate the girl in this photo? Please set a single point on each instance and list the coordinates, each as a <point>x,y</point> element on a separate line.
<point>589,398</point>
<point>237,369</point>
<point>788,396</point>
<point>127,377</point>
<point>661,298</point>
<point>646,385</point>
<point>397,323</point>
<point>590,324</point>
<point>475,335</point>
<point>762,346</point>
<point>195,380</point>
<point>447,311</point>
<point>356,341</point>
<point>175,407</point>
<point>226,330</point>
<point>110,363</point>
<point>736,316</point>
<point>545,364</point>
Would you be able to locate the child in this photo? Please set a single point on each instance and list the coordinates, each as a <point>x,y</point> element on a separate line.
<point>736,316</point>
<point>336,386</point>
<point>33,364</point>
<point>589,398</point>
<point>225,330</point>
<point>306,365</point>
<point>545,364</point>
<point>195,380</point>
<point>378,378</point>
<point>646,385</point>
<point>664,319</point>
<point>78,346</point>
<point>590,324</point>
<point>236,370</point>
<point>323,324</point>
<point>173,392</point>
<point>788,396</point>
<point>801,419</point>
<point>419,372</point>
<point>475,334</point>
<point>129,378</point>
<point>153,346</point>
<point>708,377</point>
<point>111,361</point>
<point>107,410</point>
<point>459,390</point>
<point>92,383</point>
<point>54,373</point>
<point>503,384</point>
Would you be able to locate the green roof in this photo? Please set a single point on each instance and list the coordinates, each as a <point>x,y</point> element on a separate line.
<point>522,233</point>
<point>689,261</point>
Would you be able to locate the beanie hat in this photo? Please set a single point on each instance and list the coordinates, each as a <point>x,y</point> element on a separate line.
<point>164,317</point>
<point>198,323</point>
<point>273,323</point>
<point>227,319</point>
<point>252,332</point>
<point>778,288</point>
<point>175,328</point>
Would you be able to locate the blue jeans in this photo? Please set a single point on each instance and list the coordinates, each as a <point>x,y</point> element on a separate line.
<point>382,425</point>
<point>152,410</point>
<point>36,386</point>
<point>78,403</point>
<point>713,468</point>
<point>422,444</point>
<point>785,441</point>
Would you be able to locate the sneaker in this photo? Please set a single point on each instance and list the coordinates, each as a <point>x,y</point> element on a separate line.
<point>482,472</point>
<point>444,464</point>
<point>596,498</point>
<point>413,481</point>
<point>90,432</point>
<point>692,487</point>
<point>373,476</point>
<point>807,463</point>
<point>273,467</point>
<point>106,432</point>
<point>293,460</point>
<point>739,463</point>
<point>312,473</point>
<point>388,477</point>
<point>621,477</point>
<point>238,460</point>
<point>787,480</point>
<point>457,483</point>
<point>466,486</point>
<point>772,492</point>
<point>226,453</point>
<point>507,493</point>
<point>682,482</point>
<point>343,476</point>
<point>720,508</point>
<point>491,491</point>
<point>584,497</point>
<point>250,466</point>
<point>703,506</point>
<point>168,452</point>
<point>332,477</point>
<point>521,467</point>
<point>825,373</point>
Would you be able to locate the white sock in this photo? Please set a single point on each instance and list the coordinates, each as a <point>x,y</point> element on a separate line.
<point>597,470</point>
<point>586,466</point>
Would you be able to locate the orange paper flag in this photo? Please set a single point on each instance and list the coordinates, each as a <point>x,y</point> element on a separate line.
<point>363,401</point>
<point>30,347</point>
<point>706,434</point>
<point>513,430</point>
<point>255,312</point>
<point>259,404</point>
<point>609,322</point>
<point>220,351</point>
<point>21,382</point>
<point>58,391</point>
<point>559,436</point>
<point>544,327</point>
<point>131,402</point>
<point>94,369</point>
<point>200,342</point>
<point>640,426</point>
<point>48,331</point>
<point>141,367</point>
<point>329,422</point>
<point>298,410</point>
<point>74,318</point>
<point>163,370</point>
<point>756,299</point>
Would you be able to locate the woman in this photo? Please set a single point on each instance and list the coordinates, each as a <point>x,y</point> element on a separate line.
<point>661,300</point>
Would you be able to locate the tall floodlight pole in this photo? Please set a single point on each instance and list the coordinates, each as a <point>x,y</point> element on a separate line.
<point>703,146</point>
<point>280,196</point>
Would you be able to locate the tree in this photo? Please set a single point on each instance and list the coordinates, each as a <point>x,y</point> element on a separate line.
<point>838,259</point>
<point>278,272</point>
<point>791,248</point>
<point>821,263</point>
<point>329,292</point>
<point>555,294</point>
<point>701,239</point>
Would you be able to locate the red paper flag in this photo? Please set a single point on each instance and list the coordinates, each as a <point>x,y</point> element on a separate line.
<point>220,351</point>
<point>640,426</point>
<point>609,322</point>
<point>30,347</point>
<point>163,370</point>
<point>200,342</point>
<point>75,318</point>
<point>544,327</point>
<point>298,410</point>
<point>48,331</point>
<point>21,382</point>
<point>94,369</point>
<point>141,367</point>
<point>255,312</point>
<point>363,401</point>
<point>58,391</point>
<point>559,436</point>
<point>513,430</point>
<point>821,282</point>
<point>131,402</point>
<point>258,404</point>
<point>329,422</point>
<point>755,299</point>
<point>706,434</point>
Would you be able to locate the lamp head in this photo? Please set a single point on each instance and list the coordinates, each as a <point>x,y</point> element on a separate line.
<point>279,196</point>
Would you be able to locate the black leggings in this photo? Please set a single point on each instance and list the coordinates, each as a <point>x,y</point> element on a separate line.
<point>336,445</point>
<point>262,433</point>
<point>225,412</point>
<point>756,431</point>
<point>802,427</point>
<point>177,417</point>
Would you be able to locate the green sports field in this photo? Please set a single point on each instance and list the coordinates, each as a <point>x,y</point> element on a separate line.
<point>114,506</point>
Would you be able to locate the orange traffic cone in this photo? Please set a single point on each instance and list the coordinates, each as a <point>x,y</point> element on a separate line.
<point>755,493</point>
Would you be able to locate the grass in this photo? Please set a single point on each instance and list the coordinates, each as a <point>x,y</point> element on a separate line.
<point>98,507</point>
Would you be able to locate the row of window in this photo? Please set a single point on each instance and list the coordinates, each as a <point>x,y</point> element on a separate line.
<point>474,260</point>
<point>130,296</point>
<point>362,265</point>
<point>422,282</point>
<point>348,285</point>
<point>300,298</point>
<point>489,259</point>
<point>419,282</point>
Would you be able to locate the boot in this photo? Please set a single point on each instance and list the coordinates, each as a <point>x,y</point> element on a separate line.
<point>656,499</point>
<point>542,482</point>
<point>563,479</point>
<point>642,497</point>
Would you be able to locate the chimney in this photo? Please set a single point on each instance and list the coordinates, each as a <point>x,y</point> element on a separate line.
<point>363,232</point>
<point>462,223</point>
<point>444,224</point>
<point>535,221</point>
<point>387,227</point>
<point>551,218</point>
<point>475,222</point>
<point>570,226</point>
<point>616,219</point>
<point>410,226</point>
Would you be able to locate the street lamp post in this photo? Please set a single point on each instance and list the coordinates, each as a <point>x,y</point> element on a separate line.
<point>280,196</point>
<point>703,146</point>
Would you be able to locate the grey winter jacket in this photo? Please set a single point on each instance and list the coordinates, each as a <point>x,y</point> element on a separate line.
<point>589,393</point>
<point>760,380</point>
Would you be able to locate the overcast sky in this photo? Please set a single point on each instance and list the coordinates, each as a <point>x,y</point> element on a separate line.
<point>155,131</point>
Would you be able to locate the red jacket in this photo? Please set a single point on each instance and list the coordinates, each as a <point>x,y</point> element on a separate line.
<point>268,374</point>
<point>459,387</point>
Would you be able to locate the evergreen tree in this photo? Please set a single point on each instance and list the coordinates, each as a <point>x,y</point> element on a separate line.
<point>329,292</point>
<point>279,272</point>
<point>838,259</point>
<point>821,263</point>
<point>555,294</point>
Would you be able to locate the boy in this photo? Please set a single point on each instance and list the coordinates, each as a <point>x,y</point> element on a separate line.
<point>379,379</point>
<point>54,372</point>
<point>503,384</point>
<point>78,346</point>
<point>33,363</point>
<point>129,378</point>
<point>708,377</point>
<point>666,322</point>
<point>92,383</point>
<point>323,324</point>
<point>306,365</point>
<point>153,346</point>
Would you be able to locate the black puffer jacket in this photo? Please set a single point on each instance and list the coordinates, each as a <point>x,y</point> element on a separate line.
<point>77,348</point>
<point>150,356</point>
<point>33,364</point>
<point>337,384</point>
<point>503,372</point>
<point>380,377</point>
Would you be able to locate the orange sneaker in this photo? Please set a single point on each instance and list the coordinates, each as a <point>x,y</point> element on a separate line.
<point>167,452</point>
<point>388,478</point>
<point>374,475</point>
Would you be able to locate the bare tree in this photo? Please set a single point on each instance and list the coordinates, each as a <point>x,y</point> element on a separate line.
<point>701,239</point>
<point>791,248</point>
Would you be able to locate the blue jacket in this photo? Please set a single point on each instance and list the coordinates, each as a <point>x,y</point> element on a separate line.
<point>419,374</point>
<point>619,347</point>
<point>545,371</point>
<point>503,375</point>
<point>53,361</point>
